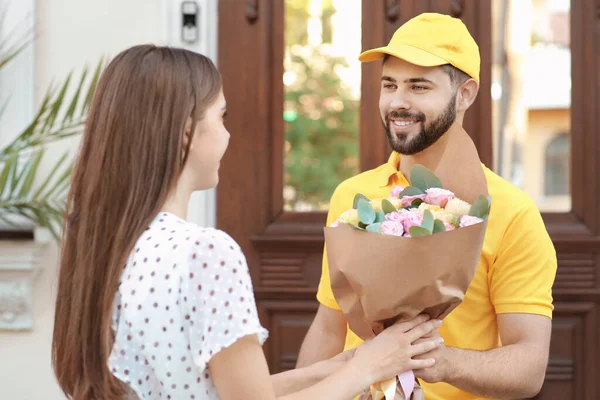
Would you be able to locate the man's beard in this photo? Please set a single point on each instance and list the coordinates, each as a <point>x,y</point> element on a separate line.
<point>430,133</point>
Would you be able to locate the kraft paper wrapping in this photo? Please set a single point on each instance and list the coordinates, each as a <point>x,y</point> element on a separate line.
<point>380,280</point>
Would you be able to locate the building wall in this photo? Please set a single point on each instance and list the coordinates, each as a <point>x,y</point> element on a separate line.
<point>543,126</point>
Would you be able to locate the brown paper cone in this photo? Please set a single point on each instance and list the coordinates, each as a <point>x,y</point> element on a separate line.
<point>379,280</point>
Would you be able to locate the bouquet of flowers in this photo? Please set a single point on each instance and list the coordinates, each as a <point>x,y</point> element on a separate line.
<point>422,209</point>
<point>413,252</point>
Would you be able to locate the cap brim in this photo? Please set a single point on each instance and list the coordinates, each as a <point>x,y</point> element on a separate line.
<point>407,53</point>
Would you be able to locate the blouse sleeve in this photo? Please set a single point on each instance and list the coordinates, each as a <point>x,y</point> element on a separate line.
<point>220,296</point>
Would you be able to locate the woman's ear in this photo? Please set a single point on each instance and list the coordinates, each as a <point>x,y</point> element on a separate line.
<point>467,93</point>
<point>187,133</point>
<point>187,137</point>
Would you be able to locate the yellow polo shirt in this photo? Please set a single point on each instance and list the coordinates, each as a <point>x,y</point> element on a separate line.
<point>515,274</point>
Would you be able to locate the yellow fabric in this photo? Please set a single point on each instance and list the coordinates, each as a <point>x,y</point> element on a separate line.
<point>515,273</point>
<point>432,39</point>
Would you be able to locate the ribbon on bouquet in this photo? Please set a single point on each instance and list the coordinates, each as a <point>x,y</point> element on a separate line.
<point>387,389</point>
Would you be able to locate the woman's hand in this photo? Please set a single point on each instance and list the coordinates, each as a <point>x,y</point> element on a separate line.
<point>391,352</point>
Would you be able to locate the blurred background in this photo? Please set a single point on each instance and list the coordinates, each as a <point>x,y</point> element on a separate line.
<point>304,117</point>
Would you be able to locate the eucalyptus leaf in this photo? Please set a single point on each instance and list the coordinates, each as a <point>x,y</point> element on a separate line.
<point>387,206</point>
<point>423,178</point>
<point>427,221</point>
<point>374,227</point>
<point>417,202</point>
<point>357,198</point>
<point>480,208</point>
<point>379,216</point>
<point>411,191</point>
<point>366,213</point>
<point>417,231</point>
<point>438,226</point>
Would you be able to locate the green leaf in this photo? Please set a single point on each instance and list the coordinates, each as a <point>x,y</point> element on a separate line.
<point>92,88</point>
<point>13,177</point>
<point>416,202</point>
<point>417,231</point>
<point>366,213</point>
<point>75,100</point>
<point>13,53</point>
<point>456,221</point>
<point>357,198</point>
<point>58,102</point>
<point>8,166</point>
<point>379,216</point>
<point>438,226</point>
<point>423,178</point>
<point>50,176</point>
<point>63,178</point>
<point>31,172</point>
<point>427,221</point>
<point>387,207</point>
<point>374,227</point>
<point>480,208</point>
<point>411,191</point>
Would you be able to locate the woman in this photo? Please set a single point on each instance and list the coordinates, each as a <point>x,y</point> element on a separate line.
<point>152,306</point>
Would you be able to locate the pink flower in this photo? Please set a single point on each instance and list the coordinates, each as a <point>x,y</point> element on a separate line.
<point>449,227</point>
<point>395,216</point>
<point>396,190</point>
<point>438,197</point>
<point>468,220</point>
<point>335,223</point>
<point>407,200</point>
<point>392,228</point>
<point>411,219</point>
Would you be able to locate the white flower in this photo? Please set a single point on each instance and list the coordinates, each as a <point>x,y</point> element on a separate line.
<point>457,207</point>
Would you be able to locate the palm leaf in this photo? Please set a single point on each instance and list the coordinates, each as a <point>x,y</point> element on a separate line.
<point>62,114</point>
<point>46,127</point>
<point>92,88</point>
<point>8,166</point>
<point>73,106</point>
<point>57,166</point>
<point>32,167</point>
<point>57,104</point>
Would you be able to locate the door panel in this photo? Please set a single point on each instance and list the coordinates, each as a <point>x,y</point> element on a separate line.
<point>284,249</point>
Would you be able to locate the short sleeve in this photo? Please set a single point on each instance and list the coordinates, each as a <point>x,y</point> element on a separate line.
<point>525,267</point>
<point>221,297</point>
<point>324,292</point>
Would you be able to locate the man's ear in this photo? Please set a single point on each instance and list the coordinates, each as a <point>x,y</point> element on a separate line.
<point>466,95</point>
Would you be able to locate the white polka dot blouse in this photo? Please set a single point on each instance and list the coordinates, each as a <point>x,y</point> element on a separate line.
<point>184,295</point>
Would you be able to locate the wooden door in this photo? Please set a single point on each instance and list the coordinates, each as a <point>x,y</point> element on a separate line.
<point>284,248</point>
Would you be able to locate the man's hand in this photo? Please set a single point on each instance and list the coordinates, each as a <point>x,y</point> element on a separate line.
<point>440,370</point>
<point>514,370</point>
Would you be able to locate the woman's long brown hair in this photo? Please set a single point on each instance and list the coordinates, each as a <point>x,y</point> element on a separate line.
<point>131,156</point>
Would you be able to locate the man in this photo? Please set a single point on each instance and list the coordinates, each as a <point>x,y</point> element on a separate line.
<point>497,340</point>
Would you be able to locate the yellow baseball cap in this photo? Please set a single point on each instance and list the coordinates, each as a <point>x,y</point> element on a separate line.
<point>432,39</point>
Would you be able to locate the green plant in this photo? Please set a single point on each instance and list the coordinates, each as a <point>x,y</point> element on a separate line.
<point>62,114</point>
